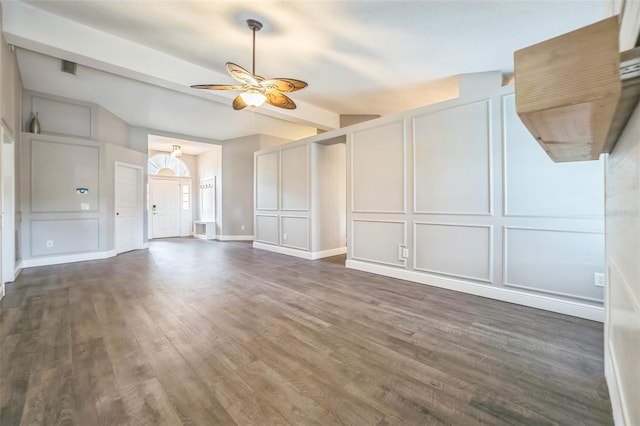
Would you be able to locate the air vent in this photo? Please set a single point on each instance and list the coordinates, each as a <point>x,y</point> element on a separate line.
<point>69,67</point>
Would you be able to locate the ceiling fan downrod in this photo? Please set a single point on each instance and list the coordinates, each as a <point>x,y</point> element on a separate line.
<point>254,26</point>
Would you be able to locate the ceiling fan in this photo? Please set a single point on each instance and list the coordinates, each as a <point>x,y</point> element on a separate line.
<point>255,89</point>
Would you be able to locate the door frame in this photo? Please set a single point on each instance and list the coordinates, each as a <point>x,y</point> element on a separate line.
<point>139,205</point>
<point>8,270</point>
<point>181,213</point>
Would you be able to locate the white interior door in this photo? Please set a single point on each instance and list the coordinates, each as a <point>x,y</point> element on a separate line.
<point>165,207</point>
<point>8,209</point>
<point>128,221</point>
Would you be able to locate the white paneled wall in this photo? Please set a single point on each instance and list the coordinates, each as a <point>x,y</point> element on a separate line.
<point>460,195</point>
<point>457,195</point>
<point>300,199</point>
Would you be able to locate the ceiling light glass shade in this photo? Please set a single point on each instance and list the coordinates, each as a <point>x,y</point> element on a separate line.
<point>253,98</point>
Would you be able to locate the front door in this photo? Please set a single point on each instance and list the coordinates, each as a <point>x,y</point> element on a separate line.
<point>165,207</point>
<point>128,207</point>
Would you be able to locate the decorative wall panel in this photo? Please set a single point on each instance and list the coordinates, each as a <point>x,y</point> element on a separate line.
<point>554,261</point>
<point>472,245</point>
<point>267,181</point>
<point>57,170</point>
<point>378,169</point>
<point>452,160</point>
<point>295,178</point>
<point>295,232</point>
<point>267,229</point>
<point>378,241</point>
<point>64,236</point>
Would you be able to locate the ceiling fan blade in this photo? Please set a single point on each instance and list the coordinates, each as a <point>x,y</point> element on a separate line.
<point>239,103</point>
<point>242,75</point>
<point>280,100</point>
<point>283,84</point>
<point>216,87</point>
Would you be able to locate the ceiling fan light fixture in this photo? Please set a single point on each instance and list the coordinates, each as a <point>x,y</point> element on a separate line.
<point>255,89</point>
<point>253,98</point>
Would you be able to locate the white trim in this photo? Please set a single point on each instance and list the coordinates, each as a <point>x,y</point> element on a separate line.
<point>283,250</point>
<point>547,303</point>
<point>304,254</point>
<point>328,253</point>
<point>234,237</point>
<point>57,260</point>
<point>613,384</point>
<point>144,246</point>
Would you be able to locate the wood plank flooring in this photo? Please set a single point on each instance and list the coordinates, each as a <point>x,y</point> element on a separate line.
<point>194,332</point>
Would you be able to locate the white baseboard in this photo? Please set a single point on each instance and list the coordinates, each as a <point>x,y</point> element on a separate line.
<point>328,253</point>
<point>57,260</point>
<point>283,250</point>
<point>144,246</point>
<point>303,254</point>
<point>234,237</point>
<point>547,303</point>
<point>611,375</point>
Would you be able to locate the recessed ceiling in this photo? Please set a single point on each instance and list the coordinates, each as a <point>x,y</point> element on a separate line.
<point>359,57</point>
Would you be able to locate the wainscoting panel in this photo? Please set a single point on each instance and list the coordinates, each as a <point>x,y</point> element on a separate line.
<point>557,262</point>
<point>378,241</point>
<point>65,236</point>
<point>452,160</point>
<point>536,186</point>
<point>295,232</point>
<point>54,178</point>
<point>378,172</point>
<point>294,163</point>
<point>266,180</point>
<point>267,229</point>
<point>473,245</point>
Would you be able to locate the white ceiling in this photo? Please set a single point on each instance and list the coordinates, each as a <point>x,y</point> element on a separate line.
<point>138,58</point>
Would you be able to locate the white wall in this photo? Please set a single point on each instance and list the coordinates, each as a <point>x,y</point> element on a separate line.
<point>477,204</point>
<point>622,327</point>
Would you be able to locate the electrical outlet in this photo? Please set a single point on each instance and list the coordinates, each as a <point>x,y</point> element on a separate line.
<point>49,243</point>
<point>598,279</point>
<point>242,227</point>
<point>405,252</point>
<point>284,236</point>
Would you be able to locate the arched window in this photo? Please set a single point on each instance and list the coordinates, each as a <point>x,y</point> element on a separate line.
<point>166,165</point>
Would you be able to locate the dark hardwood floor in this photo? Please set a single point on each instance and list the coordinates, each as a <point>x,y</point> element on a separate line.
<point>195,332</point>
